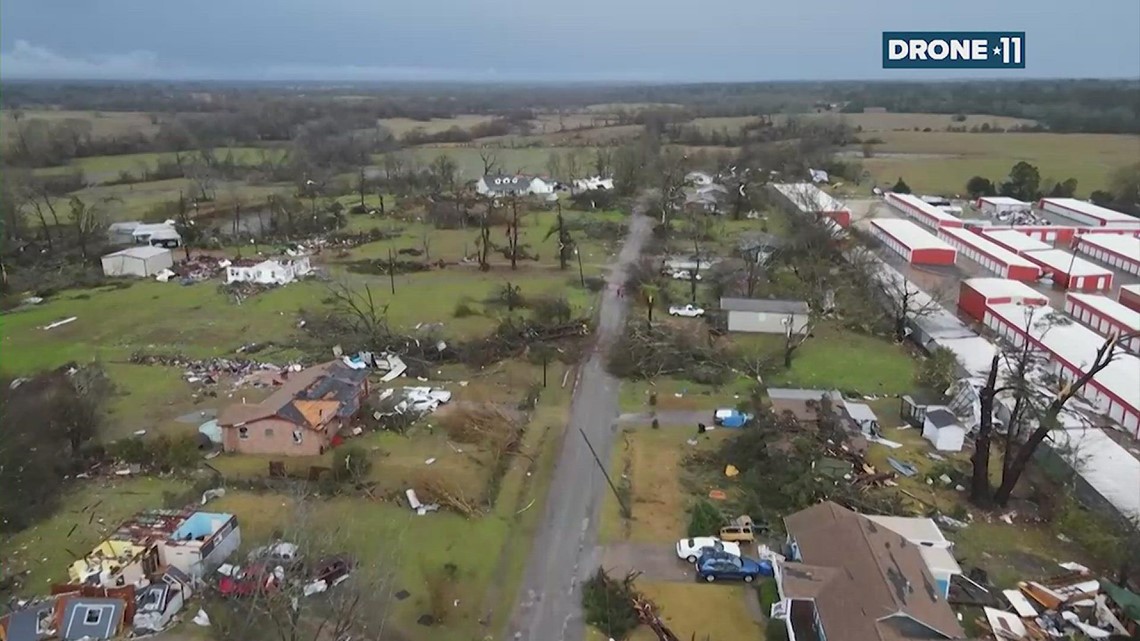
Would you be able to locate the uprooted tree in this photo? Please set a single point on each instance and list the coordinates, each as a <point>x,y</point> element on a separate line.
<point>1019,374</point>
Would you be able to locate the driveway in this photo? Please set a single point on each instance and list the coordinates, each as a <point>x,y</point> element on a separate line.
<point>687,418</point>
<point>655,561</point>
<point>563,554</point>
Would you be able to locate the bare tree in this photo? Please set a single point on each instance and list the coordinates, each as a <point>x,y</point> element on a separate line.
<point>906,302</point>
<point>362,186</point>
<point>793,338</point>
<point>566,247</point>
<point>483,242</point>
<point>364,315</point>
<point>88,221</point>
<point>490,161</point>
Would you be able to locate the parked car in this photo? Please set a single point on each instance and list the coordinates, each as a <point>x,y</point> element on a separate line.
<point>692,549</point>
<point>718,566</point>
<point>730,418</point>
<point>691,311</point>
<point>740,529</point>
<point>684,274</point>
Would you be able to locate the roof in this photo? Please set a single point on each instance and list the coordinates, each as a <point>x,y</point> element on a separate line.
<point>1088,209</point>
<point>769,306</point>
<point>909,234</point>
<point>1109,468</point>
<point>1131,289</point>
<point>1123,244</point>
<point>308,398</point>
<point>505,183</point>
<point>1076,345</point>
<point>30,623</point>
<point>915,529</point>
<point>1005,288</point>
<point>809,199</point>
<point>142,252</point>
<point>912,202</point>
<point>986,246</point>
<point>73,625</point>
<point>878,574</point>
<point>1002,200</point>
<point>1067,263</point>
<point>1015,240</point>
<point>150,228</point>
<point>1110,309</point>
<point>941,417</point>
<point>860,412</point>
<point>166,234</point>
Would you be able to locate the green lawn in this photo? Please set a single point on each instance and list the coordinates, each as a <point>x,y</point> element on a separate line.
<point>942,162</point>
<point>93,508</point>
<point>838,359</point>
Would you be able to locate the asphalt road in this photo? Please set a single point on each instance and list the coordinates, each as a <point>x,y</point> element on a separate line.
<point>565,548</point>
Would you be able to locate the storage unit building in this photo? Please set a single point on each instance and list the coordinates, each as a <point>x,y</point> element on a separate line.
<point>1070,271</point>
<point>1120,251</point>
<point>997,205</point>
<point>1013,240</point>
<point>765,316</point>
<point>976,295</point>
<point>1129,296</point>
<point>138,261</point>
<point>806,198</point>
<point>919,210</point>
<point>1087,213</point>
<point>915,244</point>
<point>1106,316</point>
<point>1115,391</point>
<point>989,254</point>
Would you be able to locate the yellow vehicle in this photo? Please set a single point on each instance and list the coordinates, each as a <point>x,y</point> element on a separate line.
<point>740,529</point>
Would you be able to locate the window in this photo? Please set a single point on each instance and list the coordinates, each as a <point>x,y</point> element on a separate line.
<point>298,436</point>
<point>269,432</point>
<point>92,617</point>
<point>243,433</point>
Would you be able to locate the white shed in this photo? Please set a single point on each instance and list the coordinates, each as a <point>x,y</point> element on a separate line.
<point>941,428</point>
<point>138,261</point>
<point>863,416</point>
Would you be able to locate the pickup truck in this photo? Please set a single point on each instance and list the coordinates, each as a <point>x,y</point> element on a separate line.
<point>689,311</point>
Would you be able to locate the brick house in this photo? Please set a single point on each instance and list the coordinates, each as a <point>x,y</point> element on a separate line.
<point>301,418</point>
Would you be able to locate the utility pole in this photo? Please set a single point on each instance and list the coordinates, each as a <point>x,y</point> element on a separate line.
<point>624,508</point>
<point>581,274</point>
<point>392,270</point>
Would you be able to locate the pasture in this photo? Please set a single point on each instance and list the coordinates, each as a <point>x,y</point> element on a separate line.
<point>104,124</point>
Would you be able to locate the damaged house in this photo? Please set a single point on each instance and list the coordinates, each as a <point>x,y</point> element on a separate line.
<point>269,272</point>
<point>302,418</point>
<point>848,578</point>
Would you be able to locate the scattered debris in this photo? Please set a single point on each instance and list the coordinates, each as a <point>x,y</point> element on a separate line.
<point>906,469</point>
<point>718,495</point>
<point>201,618</point>
<point>419,508</point>
<point>60,323</point>
<point>215,493</point>
<point>731,471</point>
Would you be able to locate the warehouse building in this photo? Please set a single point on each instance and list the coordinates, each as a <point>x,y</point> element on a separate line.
<point>1105,316</point>
<point>138,261</point>
<point>1115,391</point>
<point>989,254</point>
<point>1087,213</point>
<point>915,244</point>
<point>976,295</point>
<point>1119,251</point>
<point>1014,241</point>
<point>1129,296</point>
<point>1071,272</point>
<point>994,206</point>
<point>922,212</point>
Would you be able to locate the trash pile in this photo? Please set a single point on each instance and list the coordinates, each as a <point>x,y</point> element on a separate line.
<point>278,568</point>
<point>1074,604</point>
<point>415,400</point>
<point>391,364</point>
<point>209,371</point>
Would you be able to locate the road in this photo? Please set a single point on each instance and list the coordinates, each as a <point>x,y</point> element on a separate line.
<point>565,547</point>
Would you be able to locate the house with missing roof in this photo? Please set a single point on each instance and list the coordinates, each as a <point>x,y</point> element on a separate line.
<point>764,316</point>
<point>514,185</point>
<point>302,418</point>
<point>849,578</point>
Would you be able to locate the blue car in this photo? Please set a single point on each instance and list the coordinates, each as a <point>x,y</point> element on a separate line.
<point>718,566</point>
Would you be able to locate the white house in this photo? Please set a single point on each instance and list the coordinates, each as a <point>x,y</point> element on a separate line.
<point>270,272</point>
<point>137,261</point>
<point>941,428</point>
<point>141,234</point>
<point>201,543</point>
<point>518,185</point>
<point>596,182</point>
<point>122,233</point>
<point>765,316</point>
<point>932,545</point>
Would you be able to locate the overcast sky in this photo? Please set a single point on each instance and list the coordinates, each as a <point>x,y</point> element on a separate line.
<point>540,40</point>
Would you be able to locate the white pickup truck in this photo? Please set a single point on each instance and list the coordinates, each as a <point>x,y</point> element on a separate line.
<point>690,311</point>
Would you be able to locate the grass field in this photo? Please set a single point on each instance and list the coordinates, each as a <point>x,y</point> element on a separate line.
<point>530,160</point>
<point>89,511</point>
<point>942,162</point>
<point>137,201</point>
<point>876,122</point>
<point>401,126</point>
<point>104,124</point>
<point>103,168</point>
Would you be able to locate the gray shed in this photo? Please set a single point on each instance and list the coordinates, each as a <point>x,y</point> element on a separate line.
<point>138,261</point>
<point>765,316</point>
<point>91,618</point>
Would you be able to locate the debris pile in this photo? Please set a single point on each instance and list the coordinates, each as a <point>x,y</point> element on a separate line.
<point>210,371</point>
<point>1072,603</point>
<point>413,400</point>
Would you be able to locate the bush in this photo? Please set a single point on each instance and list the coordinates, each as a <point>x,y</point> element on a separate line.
<point>939,371</point>
<point>551,309</point>
<point>351,463</point>
<point>608,605</point>
<point>705,519</point>
<point>768,593</point>
<point>463,309</point>
<point>776,630</point>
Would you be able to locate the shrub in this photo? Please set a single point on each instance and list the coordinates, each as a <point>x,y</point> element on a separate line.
<point>351,463</point>
<point>463,309</point>
<point>551,309</point>
<point>705,519</point>
<point>776,630</point>
<point>768,593</point>
<point>608,605</point>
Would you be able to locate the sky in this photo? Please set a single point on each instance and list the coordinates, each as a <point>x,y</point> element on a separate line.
<point>542,40</point>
